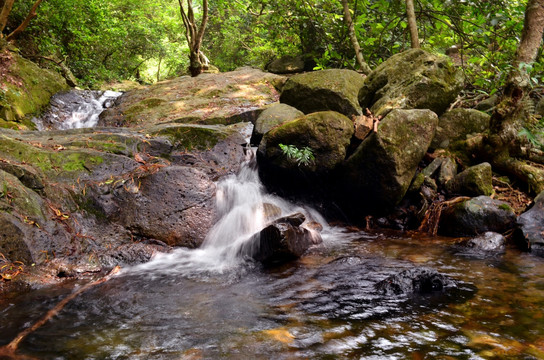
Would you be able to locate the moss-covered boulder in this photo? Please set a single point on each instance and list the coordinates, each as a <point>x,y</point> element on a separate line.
<point>477,216</point>
<point>474,181</point>
<point>332,89</point>
<point>287,65</point>
<point>25,89</point>
<point>458,124</point>
<point>272,117</point>
<point>414,79</point>
<point>326,133</point>
<point>381,169</point>
<point>224,98</point>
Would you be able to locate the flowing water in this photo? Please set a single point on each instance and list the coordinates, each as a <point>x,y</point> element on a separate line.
<point>212,302</point>
<point>75,109</point>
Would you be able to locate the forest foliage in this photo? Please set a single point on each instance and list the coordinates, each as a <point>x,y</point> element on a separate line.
<point>145,40</point>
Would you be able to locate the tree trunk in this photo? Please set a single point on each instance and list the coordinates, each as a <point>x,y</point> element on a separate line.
<point>513,111</point>
<point>4,14</point>
<point>31,15</point>
<point>412,25</point>
<point>194,34</point>
<point>354,42</point>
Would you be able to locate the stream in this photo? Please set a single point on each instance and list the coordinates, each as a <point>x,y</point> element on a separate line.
<point>214,302</point>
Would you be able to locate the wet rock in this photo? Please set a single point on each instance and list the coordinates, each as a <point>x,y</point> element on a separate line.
<point>378,174</point>
<point>417,281</point>
<point>458,124</point>
<point>489,241</point>
<point>27,175</point>
<point>477,216</point>
<point>273,116</point>
<point>332,89</point>
<point>130,254</point>
<point>530,232</point>
<point>413,79</point>
<point>12,244</point>
<point>284,240</point>
<point>287,65</point>
<point>474,181</point>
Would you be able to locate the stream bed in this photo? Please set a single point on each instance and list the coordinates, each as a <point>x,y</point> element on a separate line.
<point>319,307</point>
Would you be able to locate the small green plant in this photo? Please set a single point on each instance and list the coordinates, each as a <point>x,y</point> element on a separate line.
<point>303,156</point>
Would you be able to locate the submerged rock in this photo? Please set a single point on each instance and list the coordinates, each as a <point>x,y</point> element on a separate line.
<point>530,233</point>
<point>332,89</point>
<point>477,216</point>
<point>379,172</point>
<point>413,79</point>
<point>284,240</point>
<point>489,241</point>
<point>417,281</point>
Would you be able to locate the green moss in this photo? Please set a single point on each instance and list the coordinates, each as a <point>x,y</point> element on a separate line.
<point>192,137</point>
<point>152,102</point>
<point>505,207</point>
<point>33,92</point>
<point>47,160</point>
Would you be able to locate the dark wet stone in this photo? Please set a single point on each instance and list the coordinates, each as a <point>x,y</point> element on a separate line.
<point>415,281</point>
<point>477,216</point>
<point>284,240</point>
<point>530,233</point>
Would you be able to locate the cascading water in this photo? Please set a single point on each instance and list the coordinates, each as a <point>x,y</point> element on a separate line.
<point>76,109</point>
<point>244,208</point>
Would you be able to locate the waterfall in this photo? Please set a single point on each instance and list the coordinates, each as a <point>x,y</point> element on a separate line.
<point>75,109</point>
<point>244,209</point>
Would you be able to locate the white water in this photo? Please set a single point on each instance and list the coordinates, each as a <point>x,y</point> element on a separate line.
<point>241,202</point>
<point>76,109</point>
<point>86,115</point>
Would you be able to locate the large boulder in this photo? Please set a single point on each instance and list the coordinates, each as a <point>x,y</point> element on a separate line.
<point>477,216</point>
<point>332,89</point>
<point>224,98</point>
<point>381,169</point>
<point>287,65</point>
<point>326,134</point>
<point>272,117</point>
<point>474,181</point>
<point>413,79</point>
<point>90,197</point>
<point>458,124</point>
<point>530,234</point>
<point>284,240</point>
<point>24,89</point>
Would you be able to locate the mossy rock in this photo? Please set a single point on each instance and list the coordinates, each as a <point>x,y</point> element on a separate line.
<point>12,244</point>
<point>474,181</point>
<point>332,89</point>
<point>207,99</point>
<point>326,133</point>
<point>379,173</point>
<point>287,65</point>
<point>458,124</point>
<point>25,90</point>
<point>193,137</point>
<point>271,117</point>
<point>477,216</point>
<point>414,79</point>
